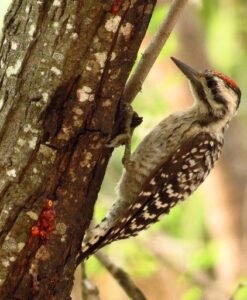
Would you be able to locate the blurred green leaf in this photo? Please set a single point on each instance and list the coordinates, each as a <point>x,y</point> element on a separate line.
<point>93,267</point>
<point>205,258</point>
<point>193,293</point>
<point>222,31</point>
<point>241,292</point>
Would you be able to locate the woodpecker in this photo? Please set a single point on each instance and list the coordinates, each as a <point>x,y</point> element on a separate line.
<point>172,160</point>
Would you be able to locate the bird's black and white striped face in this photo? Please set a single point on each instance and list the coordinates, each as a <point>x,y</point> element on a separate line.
<point>218,96</point>
<point>222,94</point>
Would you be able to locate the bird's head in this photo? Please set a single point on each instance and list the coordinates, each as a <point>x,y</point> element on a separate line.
<point>217,96</point>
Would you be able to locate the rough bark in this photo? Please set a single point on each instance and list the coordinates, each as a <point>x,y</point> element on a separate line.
<point>64,64</point>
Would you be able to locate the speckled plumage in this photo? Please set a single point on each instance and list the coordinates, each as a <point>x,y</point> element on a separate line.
<point>171,161</point>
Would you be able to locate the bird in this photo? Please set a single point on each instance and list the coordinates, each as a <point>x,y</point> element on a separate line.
<point>172,160</point>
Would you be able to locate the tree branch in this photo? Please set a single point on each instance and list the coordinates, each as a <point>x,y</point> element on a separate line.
<point>135,82</point>
<point>121,276</point>
<point>239,287</point>
<point>89,291</point>
<point>173,255</point>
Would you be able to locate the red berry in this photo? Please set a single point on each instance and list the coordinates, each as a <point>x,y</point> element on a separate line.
<point>35,231</point>
<point>114,9</point>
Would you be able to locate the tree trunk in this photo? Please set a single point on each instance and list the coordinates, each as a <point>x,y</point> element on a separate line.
<point>64,65</point>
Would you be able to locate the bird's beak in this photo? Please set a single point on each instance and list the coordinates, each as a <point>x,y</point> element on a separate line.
<point>190,73</point>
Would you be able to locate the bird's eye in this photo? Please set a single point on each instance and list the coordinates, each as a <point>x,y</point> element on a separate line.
<point>211,83</point>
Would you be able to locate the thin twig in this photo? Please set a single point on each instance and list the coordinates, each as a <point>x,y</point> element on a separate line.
<point>239,287</point>
<point>171,253</point>
<point>89,291</point>
<point>134,84</point>
<point>121,276</point>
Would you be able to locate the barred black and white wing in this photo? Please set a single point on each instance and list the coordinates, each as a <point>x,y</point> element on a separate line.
<point>173,181</point>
